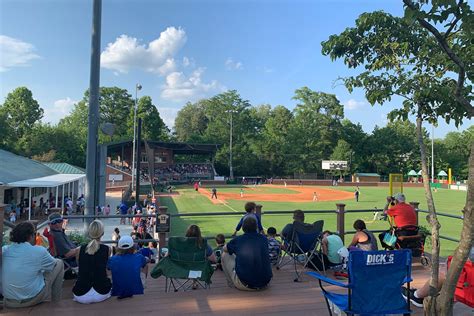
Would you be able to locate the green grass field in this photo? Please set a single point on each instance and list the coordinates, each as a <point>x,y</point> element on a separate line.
<point>189,201</point>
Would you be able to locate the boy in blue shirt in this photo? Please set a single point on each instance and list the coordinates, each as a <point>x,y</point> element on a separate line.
<point>250,212</point>
<point>126,267</point>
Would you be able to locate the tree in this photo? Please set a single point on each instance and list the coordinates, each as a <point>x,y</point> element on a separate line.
<point>191,122</point>
<point>455,39</point>
<point>22,111</point>
<point>401,58</point>
<point>315,129</point>
<point>153,127</point>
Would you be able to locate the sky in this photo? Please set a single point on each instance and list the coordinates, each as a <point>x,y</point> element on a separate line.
<point>182,51</point>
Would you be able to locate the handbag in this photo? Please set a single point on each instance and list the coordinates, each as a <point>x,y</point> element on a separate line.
<point>390,239</point>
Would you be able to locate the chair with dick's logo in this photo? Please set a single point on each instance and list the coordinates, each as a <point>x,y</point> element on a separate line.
<point>374,285</point>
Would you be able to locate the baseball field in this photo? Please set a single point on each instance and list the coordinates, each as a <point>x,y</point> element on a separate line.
<point>280,198</point>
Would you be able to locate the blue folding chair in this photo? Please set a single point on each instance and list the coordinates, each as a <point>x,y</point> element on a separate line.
<point>375,283</point>
<point>302,245</point>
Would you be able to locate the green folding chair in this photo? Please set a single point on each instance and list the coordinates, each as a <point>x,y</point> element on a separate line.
<point>186,265</point>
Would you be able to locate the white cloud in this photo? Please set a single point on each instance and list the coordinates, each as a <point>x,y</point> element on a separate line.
<point>178,87</point>
<point>268,70</point>
<point>230,64</point>
<point>353,104</point>
<point>157,56</point>
<point>15,53</point>
<point>188,62</point>
<point>60,109</point>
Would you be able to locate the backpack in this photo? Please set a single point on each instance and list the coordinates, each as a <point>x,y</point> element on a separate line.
<point>465,286</point>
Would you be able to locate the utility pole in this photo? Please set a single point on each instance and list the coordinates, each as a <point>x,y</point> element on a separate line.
<point>231,170</point>
<point>137,87</point>
<point>93,118</point>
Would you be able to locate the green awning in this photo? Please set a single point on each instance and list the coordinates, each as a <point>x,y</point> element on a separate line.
<point>412,173</point>
<point>419,173</point>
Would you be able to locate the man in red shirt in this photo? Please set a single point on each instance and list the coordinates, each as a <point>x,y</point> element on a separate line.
<point>404,216</point>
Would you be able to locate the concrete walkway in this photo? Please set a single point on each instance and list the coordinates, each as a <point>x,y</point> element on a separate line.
<point>113,199</point>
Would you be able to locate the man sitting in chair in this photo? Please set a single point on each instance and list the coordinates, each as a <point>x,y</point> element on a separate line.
<point>65,248</point>
<point>245,261</point>
<point>287,232</point>
<point>404,217</point>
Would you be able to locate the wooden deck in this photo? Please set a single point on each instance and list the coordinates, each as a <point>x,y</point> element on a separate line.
<point>283,297</point>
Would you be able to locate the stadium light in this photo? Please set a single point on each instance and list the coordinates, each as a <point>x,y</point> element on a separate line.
<point>137,87</point>
<point>231,170</point>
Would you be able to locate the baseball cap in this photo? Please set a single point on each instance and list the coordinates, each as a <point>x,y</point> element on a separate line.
<point>125,242</point>
<point>55,218</point>
<point>400,197</point>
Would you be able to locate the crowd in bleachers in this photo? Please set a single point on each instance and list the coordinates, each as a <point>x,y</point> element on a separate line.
<point>246,260</point>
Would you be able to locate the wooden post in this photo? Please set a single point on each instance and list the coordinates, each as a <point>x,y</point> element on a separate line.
<point>415,206</point>
<point>340,220</point>
<point>162,236</point>
<point>258,211</point>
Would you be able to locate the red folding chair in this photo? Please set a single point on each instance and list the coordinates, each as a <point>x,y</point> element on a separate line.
<point>465,287</point>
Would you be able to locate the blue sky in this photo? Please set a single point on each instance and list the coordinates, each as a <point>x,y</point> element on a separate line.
<point>181,51</point>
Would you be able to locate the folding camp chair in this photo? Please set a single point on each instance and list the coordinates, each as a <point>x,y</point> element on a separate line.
<point>464,292</point>
<point>186,265</point>
<point>302,245</point>
<point>375,283</point>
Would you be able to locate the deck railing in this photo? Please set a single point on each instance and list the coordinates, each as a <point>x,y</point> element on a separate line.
<point>161,238</point>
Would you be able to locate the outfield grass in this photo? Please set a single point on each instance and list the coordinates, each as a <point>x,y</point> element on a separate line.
<point>189,201</point>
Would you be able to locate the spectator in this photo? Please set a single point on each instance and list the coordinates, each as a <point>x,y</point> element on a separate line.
<point>250,208</point>
<point>195,231</point>
<point>13,216</point>
<point>404,217</point>
<point>329,256</point>
<point>93,285</point>
<point>107,210</point>
<point>220,242</point>
<point>30,275</point>
<point>123,211</point>
<point>63,246</point>
<point>274,246</point>
<point>418,295</point>
<point>403,214</point>
<point>363,238</point>
<point>116,236</point>
<point>126,267</point>
<point>287,232</point>
<point>246,262</point>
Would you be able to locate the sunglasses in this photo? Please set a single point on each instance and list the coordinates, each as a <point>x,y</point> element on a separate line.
<point>56,221</point>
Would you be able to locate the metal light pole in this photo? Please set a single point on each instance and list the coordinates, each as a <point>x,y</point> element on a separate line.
<point>93,119</point>
<point>137,87</point>
<point>231,170</point>
<point>432,154</point>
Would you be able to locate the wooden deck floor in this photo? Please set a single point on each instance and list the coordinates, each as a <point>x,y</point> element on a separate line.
<point>283,297</point>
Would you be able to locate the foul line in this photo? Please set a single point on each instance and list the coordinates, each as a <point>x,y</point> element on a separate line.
<point>225,204</point>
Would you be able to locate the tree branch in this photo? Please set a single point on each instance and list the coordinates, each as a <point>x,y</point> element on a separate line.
<point>455,58</point>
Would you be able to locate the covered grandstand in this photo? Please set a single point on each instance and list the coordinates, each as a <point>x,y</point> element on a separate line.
<point>162,161</point>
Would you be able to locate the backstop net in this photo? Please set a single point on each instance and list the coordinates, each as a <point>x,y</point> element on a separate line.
<point>395,183</point>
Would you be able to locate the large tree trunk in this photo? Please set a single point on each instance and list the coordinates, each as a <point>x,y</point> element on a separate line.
<point>444,303</point>
<point>430,307</point>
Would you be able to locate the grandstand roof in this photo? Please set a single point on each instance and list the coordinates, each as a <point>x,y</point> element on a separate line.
<point>178,148</point>
<point>64,168</point>
<point>17,168</point>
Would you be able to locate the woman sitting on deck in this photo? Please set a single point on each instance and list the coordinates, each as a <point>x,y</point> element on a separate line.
<point>93,285</point>
<point>363,238</point>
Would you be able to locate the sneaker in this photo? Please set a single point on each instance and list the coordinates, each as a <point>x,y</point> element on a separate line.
<point>418,302</point>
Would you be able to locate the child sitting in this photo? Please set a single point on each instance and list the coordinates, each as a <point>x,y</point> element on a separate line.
<point>220,242</point>
<point>250,210</point>
<point>13,216</point>
<point>274,246</point>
